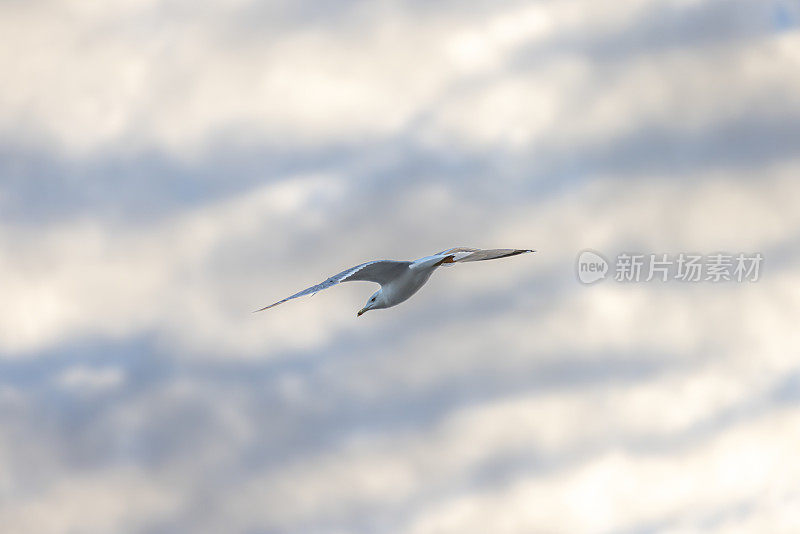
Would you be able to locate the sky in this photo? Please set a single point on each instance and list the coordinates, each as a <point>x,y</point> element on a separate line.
<point>167,166</point>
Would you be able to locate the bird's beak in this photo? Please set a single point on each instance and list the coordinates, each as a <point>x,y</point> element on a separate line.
<point>362,310</point>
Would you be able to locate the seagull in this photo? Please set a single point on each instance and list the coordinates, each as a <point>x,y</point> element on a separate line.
<point>401,279</point>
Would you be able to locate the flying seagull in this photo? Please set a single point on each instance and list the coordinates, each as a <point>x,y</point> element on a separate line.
<point>401,279</point>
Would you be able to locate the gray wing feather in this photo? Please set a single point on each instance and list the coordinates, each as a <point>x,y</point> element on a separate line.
<point>463,254</point>
<point>380,271</point>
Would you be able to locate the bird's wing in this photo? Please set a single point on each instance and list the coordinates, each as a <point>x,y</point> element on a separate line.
<point>380,271</point>
<point>462,254</point>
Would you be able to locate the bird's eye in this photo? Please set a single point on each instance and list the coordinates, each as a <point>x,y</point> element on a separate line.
<point>372,300</point>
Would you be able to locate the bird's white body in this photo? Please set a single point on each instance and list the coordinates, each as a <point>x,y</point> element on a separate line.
<point>403,287</point>
<point>401,279</point>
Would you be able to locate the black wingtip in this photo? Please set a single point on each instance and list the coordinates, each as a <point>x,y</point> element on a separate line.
<point>518,251</point>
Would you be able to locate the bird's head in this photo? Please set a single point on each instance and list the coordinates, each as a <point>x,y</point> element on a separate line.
<point>375,302</point>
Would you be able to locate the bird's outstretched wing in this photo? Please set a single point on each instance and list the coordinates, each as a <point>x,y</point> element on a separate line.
<point>462,254</point>
<point>380,271</point>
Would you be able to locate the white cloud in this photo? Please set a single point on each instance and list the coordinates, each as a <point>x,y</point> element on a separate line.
<point>472,436</point>
<point>618,490</point>
<point>85,379</point>
<point>134,75</point>
<point>90,279</point>
<point>86,278</point>
<point>576,99</point>
<point>120,500</point>
<point>586,435</point>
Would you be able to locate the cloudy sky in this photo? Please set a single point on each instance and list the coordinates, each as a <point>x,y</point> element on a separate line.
<point>167,166</point>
